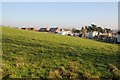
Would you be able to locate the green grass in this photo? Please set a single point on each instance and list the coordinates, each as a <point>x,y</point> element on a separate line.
<point>0,52</point>
<point>39,55</point>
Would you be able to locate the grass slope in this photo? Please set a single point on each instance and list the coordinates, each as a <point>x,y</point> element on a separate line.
<point>46,55</point>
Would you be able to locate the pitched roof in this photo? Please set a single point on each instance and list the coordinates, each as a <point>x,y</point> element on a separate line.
<point>43,29</point>
<point>53,29</point>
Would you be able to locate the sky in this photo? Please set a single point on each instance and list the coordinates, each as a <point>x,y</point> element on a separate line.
<point>61,14</point>
<point>59,0</point>
<point>119,16</point>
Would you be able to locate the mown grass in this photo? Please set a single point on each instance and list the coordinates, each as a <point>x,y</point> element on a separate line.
<point>41,55</point>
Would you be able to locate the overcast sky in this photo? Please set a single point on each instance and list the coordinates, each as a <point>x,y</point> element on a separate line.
<point>62,14</point>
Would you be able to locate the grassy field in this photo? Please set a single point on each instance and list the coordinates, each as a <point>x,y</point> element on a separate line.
<point>46,55</point>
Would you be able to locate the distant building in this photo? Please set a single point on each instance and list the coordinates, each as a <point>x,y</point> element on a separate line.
<point>118,37</point>
<point>54,30</point>
<point>76,34</point>
<point>109,34</point>
<point>24,28</point>
<point>63,32</point>
<point>43,30</point>
<point>28,28</point>
<point>92,34</point>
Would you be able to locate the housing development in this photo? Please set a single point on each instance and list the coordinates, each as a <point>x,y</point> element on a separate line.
<point>90,32</point>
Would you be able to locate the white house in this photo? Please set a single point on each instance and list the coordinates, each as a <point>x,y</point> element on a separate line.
<point>62,33</point>
<point>118,38</point>
<point>65,32</point>
<point>92,34</point>
<point>76,34</point>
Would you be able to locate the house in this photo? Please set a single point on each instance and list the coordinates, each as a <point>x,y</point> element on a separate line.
<point>69,33</point>
<point>63,32</point>
<point>28,28</point>
<point>31,28</point>
<point>43,29</point>
<point>55,30</point>
<point>92,34</point>
<point>118,37</point>
<point>76,34</point>
<point>24,28</point>
<point>109,34</point>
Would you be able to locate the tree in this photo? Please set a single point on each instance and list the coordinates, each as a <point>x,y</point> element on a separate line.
<point>86,28</point>
<point>84,32</point>
<point>82,28</point>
